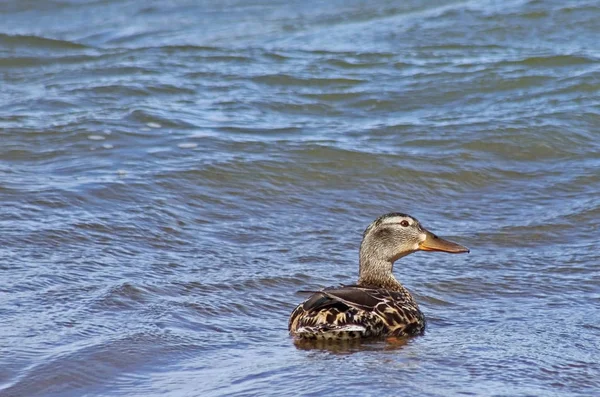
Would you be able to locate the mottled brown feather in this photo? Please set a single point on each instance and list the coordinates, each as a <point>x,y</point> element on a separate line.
<point>379,312</point>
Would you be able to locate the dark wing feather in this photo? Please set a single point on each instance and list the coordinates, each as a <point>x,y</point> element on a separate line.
<point>360,298</point>
<point>380,311</point>
<point>328,313</point>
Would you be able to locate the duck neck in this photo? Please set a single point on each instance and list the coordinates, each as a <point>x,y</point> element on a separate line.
<point>377,273</point>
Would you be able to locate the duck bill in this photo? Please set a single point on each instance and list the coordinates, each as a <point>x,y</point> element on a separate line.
<point>435,243</point>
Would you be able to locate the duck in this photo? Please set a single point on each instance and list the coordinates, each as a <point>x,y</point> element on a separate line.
<point>378,305</point>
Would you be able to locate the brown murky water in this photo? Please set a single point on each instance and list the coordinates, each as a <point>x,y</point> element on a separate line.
<point>171,173</point>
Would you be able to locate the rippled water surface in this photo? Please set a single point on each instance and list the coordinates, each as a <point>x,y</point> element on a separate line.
<point>172,173</point>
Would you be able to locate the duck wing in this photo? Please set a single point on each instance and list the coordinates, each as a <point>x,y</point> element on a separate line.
<point>348,312</point>
<point>351,296</point>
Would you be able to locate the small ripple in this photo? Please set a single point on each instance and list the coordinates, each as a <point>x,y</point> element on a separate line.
<point>38,43</point>
<point>123,297</point>
<point>551,61</point>
<point>288,80</point>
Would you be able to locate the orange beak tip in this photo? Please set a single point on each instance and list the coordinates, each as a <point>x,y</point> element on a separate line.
<point>434,243</point>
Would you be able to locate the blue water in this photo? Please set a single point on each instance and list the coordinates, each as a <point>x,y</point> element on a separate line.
<point>172,173</point>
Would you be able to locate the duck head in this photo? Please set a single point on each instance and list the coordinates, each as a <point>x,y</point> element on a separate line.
<point>394,235</point>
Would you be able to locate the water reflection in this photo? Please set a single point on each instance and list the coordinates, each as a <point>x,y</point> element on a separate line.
<point>352,346</point>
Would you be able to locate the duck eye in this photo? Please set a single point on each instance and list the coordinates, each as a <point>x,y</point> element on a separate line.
<point>404,223</point>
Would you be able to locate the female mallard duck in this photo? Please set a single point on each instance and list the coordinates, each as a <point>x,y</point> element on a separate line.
<point>378,305</point>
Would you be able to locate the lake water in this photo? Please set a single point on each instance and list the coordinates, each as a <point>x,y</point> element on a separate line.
<point>172,173</point>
